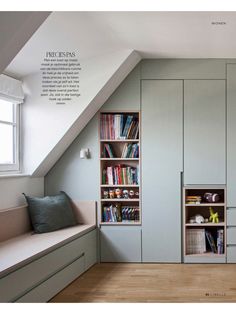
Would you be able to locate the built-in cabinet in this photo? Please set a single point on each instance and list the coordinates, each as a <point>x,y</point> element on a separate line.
<point>162,165</point>
<point>204,132</point>
<point>231,135</point>
<point>231,163</point>
<point>188,129</point>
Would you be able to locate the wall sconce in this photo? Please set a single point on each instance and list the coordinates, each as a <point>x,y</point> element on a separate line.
<point>84,153</point>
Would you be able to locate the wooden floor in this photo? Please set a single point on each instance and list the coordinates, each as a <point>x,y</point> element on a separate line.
<point>110,282</point>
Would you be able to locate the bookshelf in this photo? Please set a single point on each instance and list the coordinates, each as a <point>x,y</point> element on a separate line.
<point>119,168</point>
<point>204,237</point>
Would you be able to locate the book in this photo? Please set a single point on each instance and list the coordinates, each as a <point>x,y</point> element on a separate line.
<point>118,213</point>
<point>108,151</point>
<point>118,126</point>
<point>211,241</point>
<point>220,241</point>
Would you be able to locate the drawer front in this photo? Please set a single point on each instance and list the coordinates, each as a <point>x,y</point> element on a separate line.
<point>18,282</point>
<point>90,248</point>
<point>231,254</point>
<point>231,235</point>
<point>49,288</point>
<point>231,216</point>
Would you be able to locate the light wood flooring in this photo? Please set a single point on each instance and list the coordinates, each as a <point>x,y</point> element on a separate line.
<point>112,282</point>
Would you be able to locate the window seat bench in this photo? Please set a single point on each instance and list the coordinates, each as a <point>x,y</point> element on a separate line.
<point>35,267</point>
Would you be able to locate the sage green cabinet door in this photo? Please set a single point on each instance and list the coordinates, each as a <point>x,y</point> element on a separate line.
<point>231,135</point>
<point>162,163</point>
<point>120,244</point>
<point>204,132</point>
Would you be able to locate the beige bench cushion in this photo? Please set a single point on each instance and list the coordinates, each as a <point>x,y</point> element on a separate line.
<point>21,250</point>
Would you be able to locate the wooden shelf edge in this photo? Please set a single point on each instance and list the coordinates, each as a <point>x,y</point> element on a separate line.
<point>205,205</point>
<point>208,254</point>
<point>130,159</point>
<point>220,224</point>
<point>120,185</point>
<point>120,223</point>
<point>120,200</point>
<point>117,141</point>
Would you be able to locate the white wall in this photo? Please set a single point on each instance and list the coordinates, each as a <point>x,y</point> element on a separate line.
<point>45,124</point>
<point>11,190</point>
<point>80,177</point>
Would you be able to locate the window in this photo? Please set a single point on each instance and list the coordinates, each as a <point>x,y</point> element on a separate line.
<point>9,136</point>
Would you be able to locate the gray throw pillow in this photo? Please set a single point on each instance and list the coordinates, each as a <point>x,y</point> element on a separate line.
<point>50,213</point>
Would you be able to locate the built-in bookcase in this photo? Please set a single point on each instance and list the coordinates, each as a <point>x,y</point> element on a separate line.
<point>204,239</point>
<point>120,168</point>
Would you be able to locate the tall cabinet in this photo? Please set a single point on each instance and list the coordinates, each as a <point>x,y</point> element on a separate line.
<point>162,164</point>
<point>231,163</point>
<point>204,132</point>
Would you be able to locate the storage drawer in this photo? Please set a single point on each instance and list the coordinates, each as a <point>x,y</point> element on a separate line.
<point>231,235</point>
<point>49,288</point>
<point>120,244</point>
<point>18,282</point>
<point>231,216</point>
<point>231,254</point>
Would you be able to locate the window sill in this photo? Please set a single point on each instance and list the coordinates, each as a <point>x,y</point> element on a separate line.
<point>13,175</point>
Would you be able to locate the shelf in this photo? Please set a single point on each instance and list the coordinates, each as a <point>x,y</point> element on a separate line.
<point>119,200</point>
<point>120,147</point>
<point>205,204</point>
<point>119,185</point>
<point>122,141</point>
<point>207,254</point>
<point>120,223</point>
<point>131,159</point>
<point>220,224</point>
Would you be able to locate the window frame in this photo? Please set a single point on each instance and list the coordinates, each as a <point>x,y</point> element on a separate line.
<point>13,167</point>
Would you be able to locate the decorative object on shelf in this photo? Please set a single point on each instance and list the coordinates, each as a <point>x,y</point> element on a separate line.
<point>199,219</point>
<point>105,194</point>
<point>125,194</point>
<point>131,194</point>
<point>118,193</point>
<point>137,194</point>
<point>84,153</point>
<point>206,220</point>
<point>211,197</point>
<point>112,193</point>
<point>213,216</point>
<point>193,199</point>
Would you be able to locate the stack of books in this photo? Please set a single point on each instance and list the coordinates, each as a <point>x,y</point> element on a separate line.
<point>193,199</point>
<point>120,174</point>
<point>195,241</point>
<point>130,150</point>
<point>118,213</point>
<point>119,126</point>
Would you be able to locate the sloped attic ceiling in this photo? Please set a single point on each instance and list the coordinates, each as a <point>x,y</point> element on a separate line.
<point>106,42</point>
<point>16,28</point>
<point>48,129</point>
